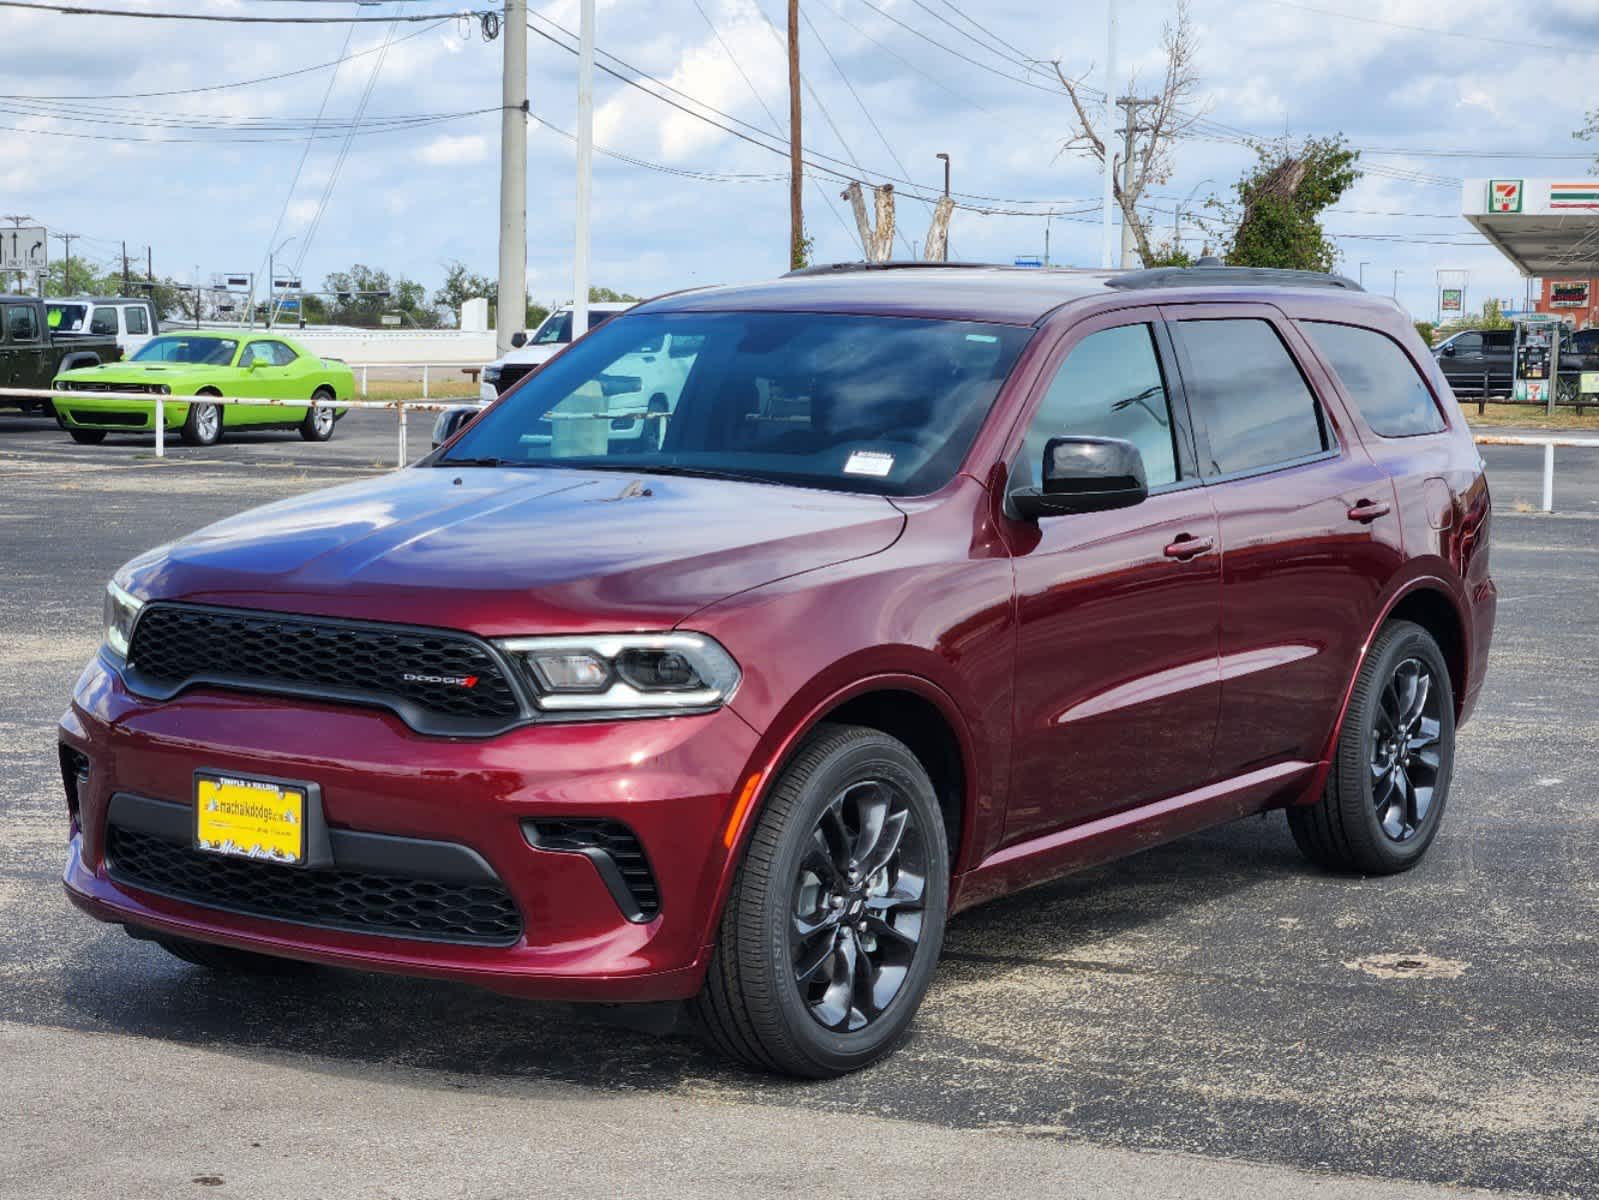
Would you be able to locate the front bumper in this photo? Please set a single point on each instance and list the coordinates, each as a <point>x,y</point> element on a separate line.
<point>670,781</point>
<point>86,411</point>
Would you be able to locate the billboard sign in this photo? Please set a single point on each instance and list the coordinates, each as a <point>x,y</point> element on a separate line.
<point>1452,301</point>
<point>1569,293</point>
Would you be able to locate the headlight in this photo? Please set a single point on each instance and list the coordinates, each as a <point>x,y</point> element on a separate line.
<point>627,674</point>
<point>491,376</point>
<point>121,611</point>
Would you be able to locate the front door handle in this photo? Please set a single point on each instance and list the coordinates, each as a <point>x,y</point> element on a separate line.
<point>1368,511</point>
<point>1187,546</point>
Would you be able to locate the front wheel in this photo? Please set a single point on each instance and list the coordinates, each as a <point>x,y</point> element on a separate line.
<point>836,918</point>
<point>203,425</point>
<point>1390,776</point>
<point>318,423</point>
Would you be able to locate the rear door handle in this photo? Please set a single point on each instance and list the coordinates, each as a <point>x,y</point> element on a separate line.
<point>1368,511</point>
<point>1186,546</point>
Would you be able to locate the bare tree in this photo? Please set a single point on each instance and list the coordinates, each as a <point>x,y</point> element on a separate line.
<point>1166,117</point>
<point>877,239</point>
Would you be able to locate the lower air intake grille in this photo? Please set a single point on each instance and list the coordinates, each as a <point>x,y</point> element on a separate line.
<point>359,901</point>
<point>615,851</point>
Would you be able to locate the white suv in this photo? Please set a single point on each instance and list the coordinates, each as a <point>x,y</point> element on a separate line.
<point>534,352</point>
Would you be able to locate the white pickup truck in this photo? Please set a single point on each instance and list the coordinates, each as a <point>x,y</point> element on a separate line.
<point>131,320</point>
<point>533,352</point>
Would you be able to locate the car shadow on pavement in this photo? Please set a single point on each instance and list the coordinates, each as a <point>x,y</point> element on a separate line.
<point>119,985</point>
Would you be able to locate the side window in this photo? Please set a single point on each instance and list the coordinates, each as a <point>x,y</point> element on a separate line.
<point>1109,386</point>
<point>277,353</point>
<point>1498,341</point>
<point>22,325</point>
<point>1379,377</point>
<point>137,323</point>
<point>1247,395</point>
<point>104,321</point>
<point>1467,343</point>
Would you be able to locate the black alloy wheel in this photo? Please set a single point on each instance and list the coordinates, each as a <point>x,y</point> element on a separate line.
<point>858,905</point>
<point>1389,781</point>
<point>833,928</point>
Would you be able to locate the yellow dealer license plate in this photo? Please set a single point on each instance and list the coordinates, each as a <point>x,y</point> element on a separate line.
<point>250,818</point>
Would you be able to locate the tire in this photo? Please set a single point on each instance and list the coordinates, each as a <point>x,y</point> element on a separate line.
<point>228,960</point>
<point>203,425</point>
<point>87,437</point>
<point>318,423</point>
<point>1378,821</point>
<point>753,1006</point>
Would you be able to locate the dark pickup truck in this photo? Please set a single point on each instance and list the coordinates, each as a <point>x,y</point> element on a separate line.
<point>1473,357</point>
<point>31,358</point>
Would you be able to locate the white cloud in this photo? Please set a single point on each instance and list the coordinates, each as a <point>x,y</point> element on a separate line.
<point>453,151</point>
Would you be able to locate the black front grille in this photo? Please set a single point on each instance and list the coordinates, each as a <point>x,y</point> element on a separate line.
<point>437,680</point>
<point>512,373</point>
<point>602,840</point>
<point>84,385</point>
<point>481,913</point>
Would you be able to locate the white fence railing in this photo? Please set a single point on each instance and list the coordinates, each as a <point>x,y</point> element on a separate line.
<point>474,369</point>
<point>1548,443</point>
<point>399,407</point>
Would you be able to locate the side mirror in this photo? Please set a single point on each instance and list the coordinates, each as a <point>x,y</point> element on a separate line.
<point>1448,351</point>
<point>518,340</point>
<point>1083,475</point>
<point>257,363</point>
<point>450,422</point>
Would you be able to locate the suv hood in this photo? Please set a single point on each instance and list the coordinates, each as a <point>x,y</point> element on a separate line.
<point>142,371</point>
<point>501,552</point>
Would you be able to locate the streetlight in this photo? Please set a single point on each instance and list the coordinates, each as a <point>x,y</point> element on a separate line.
<point>1363,267</point>
<point>1048,217</point>
<point>1177,217</point>
<point>1397,274</point>
<point>272,277</point>
<point>945,157</point>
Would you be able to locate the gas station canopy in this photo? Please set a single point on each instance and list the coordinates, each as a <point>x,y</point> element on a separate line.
<point>1543,226</point>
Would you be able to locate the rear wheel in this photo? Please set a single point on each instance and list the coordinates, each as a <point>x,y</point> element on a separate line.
<point>203,425</point>
<point>1389,781</point>
<point>835,921</point>
<point>87,437</point>
<point>318,423</point>
<point>227,959</point>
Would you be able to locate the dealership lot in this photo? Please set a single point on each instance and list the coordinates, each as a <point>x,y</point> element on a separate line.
<point>1214,999</point>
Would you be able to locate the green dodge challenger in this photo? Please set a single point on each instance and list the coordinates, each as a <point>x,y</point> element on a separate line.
<point>200,364</point>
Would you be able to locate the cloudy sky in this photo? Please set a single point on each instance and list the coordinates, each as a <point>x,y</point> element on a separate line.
<point>126,129</point>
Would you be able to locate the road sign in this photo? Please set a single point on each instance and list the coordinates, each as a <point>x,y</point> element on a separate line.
<point>289,305</point>
<point>24,248</point>
<point>1028,260</point>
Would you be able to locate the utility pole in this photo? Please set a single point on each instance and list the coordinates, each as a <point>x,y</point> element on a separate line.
<point>796,164</point>
<point>1108,200</point>
<point>66,266</point>
<point>1363,267</point>
<point>585,168</point>
<point>126,286</point>
<point>1049,216</point>
<point>511,293</point>
<point>1130,131</point>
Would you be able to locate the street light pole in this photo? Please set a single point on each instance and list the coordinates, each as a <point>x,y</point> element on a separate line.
<point>1363,267</point>
<point>510,292</point>
<point>585,167</point>
<point>1108,198</point>
<point>272,280</point>
<point>945,157</point>
<point>1397,274</point>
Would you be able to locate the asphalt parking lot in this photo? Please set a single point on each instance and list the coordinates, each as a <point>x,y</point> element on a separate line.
<point>1210,1017</point>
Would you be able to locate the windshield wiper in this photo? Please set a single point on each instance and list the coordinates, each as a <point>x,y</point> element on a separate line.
<point>692,472</point>
<point>482,462</point>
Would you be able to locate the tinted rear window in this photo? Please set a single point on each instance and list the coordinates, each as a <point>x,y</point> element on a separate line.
<point>1253,406</point>
<point>1379,377</point>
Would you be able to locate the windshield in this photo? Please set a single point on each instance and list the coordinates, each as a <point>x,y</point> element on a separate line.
<point>215,352</point>
<point>557,328</point>
<point>862,404</point>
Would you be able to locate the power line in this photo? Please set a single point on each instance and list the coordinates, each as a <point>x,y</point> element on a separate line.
<point>911,29</point>
<point>222,87</point>
<point>74,10</point>
<point>894,54</point>
<point>1432,30</point>
<point>441,119</point>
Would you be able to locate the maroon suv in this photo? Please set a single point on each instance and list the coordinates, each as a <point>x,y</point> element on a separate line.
<point>765,627</point>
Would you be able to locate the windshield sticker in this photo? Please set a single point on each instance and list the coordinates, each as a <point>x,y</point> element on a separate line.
<point>981,337</point>
<point>869,462</point>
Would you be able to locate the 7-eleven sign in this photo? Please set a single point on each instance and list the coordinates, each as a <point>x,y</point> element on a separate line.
<point>1504,195</point>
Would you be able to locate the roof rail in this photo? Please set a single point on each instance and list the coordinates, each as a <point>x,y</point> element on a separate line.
<point>1214,275</point>
<point>841,268</point>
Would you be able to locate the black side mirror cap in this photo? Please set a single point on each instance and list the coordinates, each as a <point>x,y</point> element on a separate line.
<point>518,340</point>
<point>450,422</point>
<point>1083,475</point>
<point>1447,351</point>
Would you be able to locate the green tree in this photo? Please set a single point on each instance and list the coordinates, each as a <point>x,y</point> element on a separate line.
<point>1169,254</point>
<point>536,313</point>
<point>347,306</point>
<point>1277,216</point>
<point>459,286</point>
<point>607,296</point>
<point>1426,329</point>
